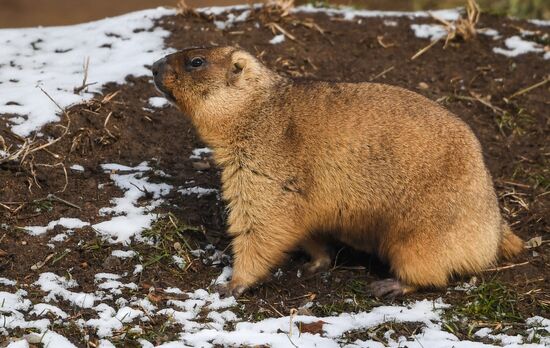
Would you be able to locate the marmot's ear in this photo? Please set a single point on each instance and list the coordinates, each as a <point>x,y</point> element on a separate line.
<point>238,65</point>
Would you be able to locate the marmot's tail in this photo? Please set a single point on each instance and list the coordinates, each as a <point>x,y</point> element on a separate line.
<point>511,245</point>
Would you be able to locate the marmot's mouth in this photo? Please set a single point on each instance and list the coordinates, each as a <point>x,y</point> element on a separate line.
<point>165,92</point>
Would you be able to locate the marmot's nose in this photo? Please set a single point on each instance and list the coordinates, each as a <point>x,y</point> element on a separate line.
<point>158,65</point>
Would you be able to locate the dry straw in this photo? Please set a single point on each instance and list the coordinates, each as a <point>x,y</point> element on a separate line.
<point>463,28</point>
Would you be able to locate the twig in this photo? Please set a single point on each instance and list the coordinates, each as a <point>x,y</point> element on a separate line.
<point>51,196</point>
<point>380,39</point>
<point>6,207</point>
<point>506,182</point>
<point>383,72</point>
<point>530,88</point>
<point>425,49</point>
<point>60,164</point>
<point>506,267</point>
<point>84,85</point>
<point>276,311</point>
<point>41,264</point>
<point>293,312</point>
<point>274,27</point>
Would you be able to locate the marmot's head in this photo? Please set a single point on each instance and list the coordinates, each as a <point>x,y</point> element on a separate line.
<point>211,82</point>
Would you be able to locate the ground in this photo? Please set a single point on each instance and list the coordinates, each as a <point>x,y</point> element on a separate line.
<point>180,244</point>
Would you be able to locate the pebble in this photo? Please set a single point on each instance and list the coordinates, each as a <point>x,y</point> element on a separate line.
<point>423,85</point>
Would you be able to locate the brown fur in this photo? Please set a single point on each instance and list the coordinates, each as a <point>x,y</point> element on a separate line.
<point>380,168</point>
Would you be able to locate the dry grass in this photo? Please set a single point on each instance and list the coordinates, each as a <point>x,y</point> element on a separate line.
<point>462,28</point>
<point>183,9</point>
<point>282,6</point>
<point>23,155</point>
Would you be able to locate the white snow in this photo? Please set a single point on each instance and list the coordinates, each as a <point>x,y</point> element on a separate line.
<point>110,320</point>
<point>138,269</point>
<point>50,339</point>
<point>179,261</point>
<point>115,167</point>
<point>277,39</point>
<point>429,31</point>
<point>349,13</point>
<point>53,58</point>
<point>158,102</point>
<point>13,302</point>
<point>77,168</point>
<point>540,22</point>
<point>71,223</point>
<point>8,282</point>
<point>56,287</point>
<point>489,32</point>
<point>106,276</point>
<point>18,344</point>
<point>515,46</point>
<point>196,190</point>
<point>231,20</point>
<point>42,309</point>
<point>173,291</point>
<point>130,218</point>
<point>123,254</point>
<point>12,308</point>
<point>197,153</point>
<point>225,276</point>
<point>60,237</point>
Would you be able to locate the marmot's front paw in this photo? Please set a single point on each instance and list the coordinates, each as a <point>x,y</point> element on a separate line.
<point>229,289</point>
<point>318,265</point>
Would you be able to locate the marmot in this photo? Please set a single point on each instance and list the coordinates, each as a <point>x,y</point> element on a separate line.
<point>381,168</point>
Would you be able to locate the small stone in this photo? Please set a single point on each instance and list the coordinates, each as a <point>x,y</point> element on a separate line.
<point>23,242</point>
<point>201,165</point>
<point>423,85</point>
<point>111,262</point>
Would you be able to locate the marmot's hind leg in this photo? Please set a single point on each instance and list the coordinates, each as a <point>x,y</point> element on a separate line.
<point>414,264</point>
<point>320,259</point>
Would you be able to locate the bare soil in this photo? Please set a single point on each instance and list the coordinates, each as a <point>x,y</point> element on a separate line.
<point>466,77</point>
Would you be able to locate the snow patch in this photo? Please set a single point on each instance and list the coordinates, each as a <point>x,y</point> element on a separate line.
<point>130,218</point>
<point>231,20</point>
<point>7,282</point>
<point>43,309</point>
<point>77,168</point>
<point>158,102</point>
<point>71,223</point>
<point>56,287</point>
<point>349,13</point>
<point>53,58</point>
<point>429,31</point>
<point>540,22</point>
<point>516,46</point>
<point>123,254</point>
<point>196,190</point>
<point>277,39</point>
<point>197,153</point>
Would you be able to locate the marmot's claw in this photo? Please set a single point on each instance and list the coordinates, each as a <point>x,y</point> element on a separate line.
<point>388,288</point>
<point>228,290</point>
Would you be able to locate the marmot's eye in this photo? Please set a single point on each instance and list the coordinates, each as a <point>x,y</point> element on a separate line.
<point>197,62</point>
